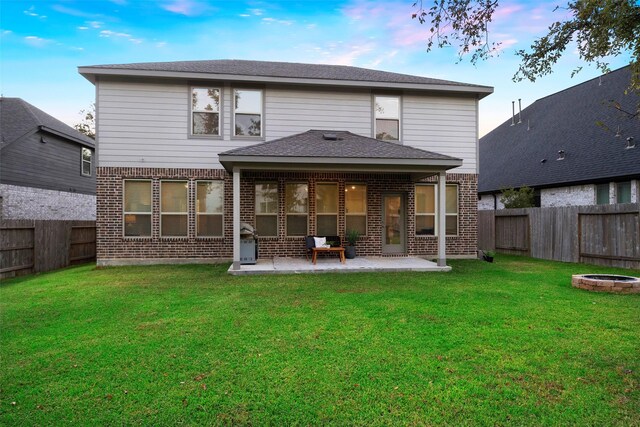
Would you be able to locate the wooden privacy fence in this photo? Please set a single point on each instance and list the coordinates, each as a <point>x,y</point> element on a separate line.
<point>33,246</point>
<point>604,235</point>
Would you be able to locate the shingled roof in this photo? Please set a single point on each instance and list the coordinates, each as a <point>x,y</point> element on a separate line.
<point>583,122</point>
<point>333,147</point>
<point>282,71</point>
<point>18,118</point>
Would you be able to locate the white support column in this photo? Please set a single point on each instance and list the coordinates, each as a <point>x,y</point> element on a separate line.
<point>442,218</point>
<point>236,218</point>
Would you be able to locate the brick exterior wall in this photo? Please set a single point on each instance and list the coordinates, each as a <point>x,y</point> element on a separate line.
<point>113,246</point>
<point>18,202</point>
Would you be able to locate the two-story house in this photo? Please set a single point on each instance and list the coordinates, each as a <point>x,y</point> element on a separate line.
<point>190,150</point>
<point>47,169</point>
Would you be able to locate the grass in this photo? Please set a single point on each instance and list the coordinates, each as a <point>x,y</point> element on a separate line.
<point>487,344</point>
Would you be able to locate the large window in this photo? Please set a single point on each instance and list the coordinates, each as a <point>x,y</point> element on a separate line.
<point>387,117</point>
<point>602,194</point>
<point>86,161</point>
<point>137,208</point>
<point>209,208</point>
<point>426,209</point>
<point>205,111</point>
<point>623,192</point>
<point>296,207</point>
<point>355,199</point>
<point>173,208</point>
<point>327,209</point>
<point>247,107</point>
<point>267,209</point>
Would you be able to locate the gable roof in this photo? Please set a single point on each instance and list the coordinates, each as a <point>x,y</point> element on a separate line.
<point>18,118</point>
<point>331,149</point>
<point>282,72</point>
<point>582,121</point>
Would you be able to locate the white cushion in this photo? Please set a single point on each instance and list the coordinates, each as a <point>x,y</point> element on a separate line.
<point>320,241</point>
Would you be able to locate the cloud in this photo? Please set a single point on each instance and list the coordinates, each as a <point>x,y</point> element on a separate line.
<point>31,12</point>
<point>75,12</point>
<point>256,12</point>
<point>36,41</point>
<point>348,55</point>
<point>83,28</point>
<point>161,44</point>
<point>115,34</point>
<point>6,32</point>
<point>244,15</point>
<point>94,24</point>
<point>276,21</point>
<point>186,7</point>
<point>382,58</point>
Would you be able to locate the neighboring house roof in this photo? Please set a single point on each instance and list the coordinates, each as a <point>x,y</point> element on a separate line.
<point>19,118</point>
<point>583,122</point>
<point>283,72</point>
<point>330,149</point>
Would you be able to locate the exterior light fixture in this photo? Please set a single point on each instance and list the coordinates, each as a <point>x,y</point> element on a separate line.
<point>631,143</point>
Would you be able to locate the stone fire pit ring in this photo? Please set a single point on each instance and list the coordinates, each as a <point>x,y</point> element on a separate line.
<point>607,283</point>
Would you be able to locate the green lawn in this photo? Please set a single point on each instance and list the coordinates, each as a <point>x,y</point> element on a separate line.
<point>489,344</point>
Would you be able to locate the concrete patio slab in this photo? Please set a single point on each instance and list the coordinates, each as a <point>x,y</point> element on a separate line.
<point>281,265</point>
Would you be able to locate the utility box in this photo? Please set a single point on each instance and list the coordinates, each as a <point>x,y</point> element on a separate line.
<point>248,252</point>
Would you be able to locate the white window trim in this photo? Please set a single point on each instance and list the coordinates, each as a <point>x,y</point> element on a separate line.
<point>173,213</point>
<point>207,213</point>
<point>261,113</point>
<point>124,212</point>
<point>220,111</point>
<point>286,225</point>
<point>255,211</point>
<point>83,161</point>
<point>366,207</point>
<point>435,214</point>
<point>336,214</point>
<point>375,124</point>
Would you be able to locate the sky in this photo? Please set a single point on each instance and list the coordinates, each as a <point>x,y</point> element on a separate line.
<point>42,42</point>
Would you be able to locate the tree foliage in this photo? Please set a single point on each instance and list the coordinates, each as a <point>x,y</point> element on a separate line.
<point>88,124</point>
<point>521,198</point>
<point>599,28</point>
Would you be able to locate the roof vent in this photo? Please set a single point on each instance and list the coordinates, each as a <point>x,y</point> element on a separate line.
<point>561,155</point>
<point>631,143</point>
<point>330,136</point>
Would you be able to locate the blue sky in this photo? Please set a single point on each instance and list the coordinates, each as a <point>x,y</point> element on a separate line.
<point>43,42</point>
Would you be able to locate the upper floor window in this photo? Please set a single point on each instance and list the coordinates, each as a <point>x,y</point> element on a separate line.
<point>247,112</point>
<point>387,117</point>
<point>205,111</point>
<point>86,161</point>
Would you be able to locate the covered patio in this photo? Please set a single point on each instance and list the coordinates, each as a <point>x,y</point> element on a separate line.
<point>285,265</point>
<point>341,152</point>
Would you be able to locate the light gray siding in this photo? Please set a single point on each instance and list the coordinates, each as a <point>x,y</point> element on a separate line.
<point>441,124</point>
<point>147,124</point>
<point>292,111</point>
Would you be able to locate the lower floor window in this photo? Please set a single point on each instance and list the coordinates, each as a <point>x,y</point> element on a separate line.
<point>173,208</point>
<point>602,194</point>
<point>426,204</point>
<point>209,208</point>
<point>623,192</point>
<point>137,208</point>
<point>297,205</point>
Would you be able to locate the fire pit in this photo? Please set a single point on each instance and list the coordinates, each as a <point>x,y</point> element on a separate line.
<point>606,283</point>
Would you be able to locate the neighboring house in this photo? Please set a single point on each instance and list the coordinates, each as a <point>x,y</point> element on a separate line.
<point>47,169</point>
<point>580,146</point>
<point>190,150</point>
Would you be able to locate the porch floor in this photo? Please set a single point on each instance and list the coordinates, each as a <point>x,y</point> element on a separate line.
<point>282,265</point>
